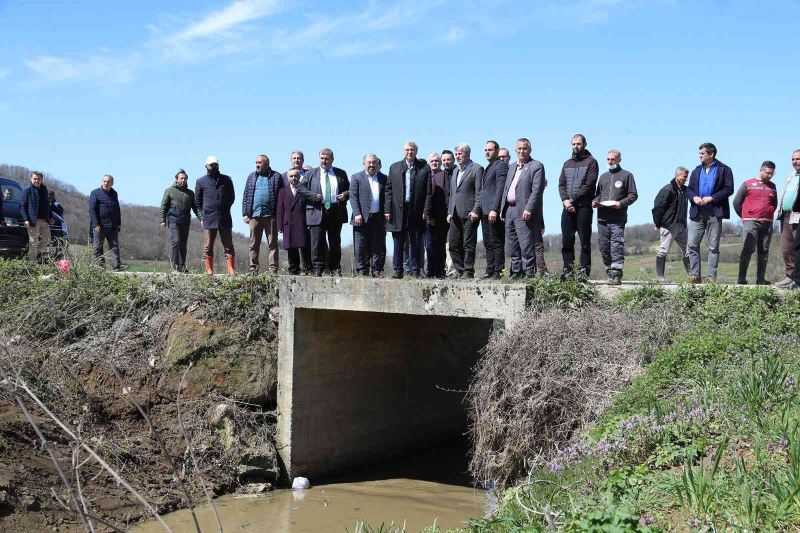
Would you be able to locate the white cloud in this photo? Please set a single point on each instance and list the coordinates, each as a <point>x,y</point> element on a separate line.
<point>227,19</point>
<point>104,69</point>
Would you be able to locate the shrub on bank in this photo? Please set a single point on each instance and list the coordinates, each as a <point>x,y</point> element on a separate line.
<point>706,438</point>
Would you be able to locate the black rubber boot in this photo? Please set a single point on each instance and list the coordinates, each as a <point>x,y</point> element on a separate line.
<point>660,267</point>
<point>761,271</point>
<point>744,262</point>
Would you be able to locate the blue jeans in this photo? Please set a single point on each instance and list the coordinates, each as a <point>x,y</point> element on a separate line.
<point>416,243</point>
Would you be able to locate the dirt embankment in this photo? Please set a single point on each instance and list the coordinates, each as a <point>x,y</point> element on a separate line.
<point>197,356</point>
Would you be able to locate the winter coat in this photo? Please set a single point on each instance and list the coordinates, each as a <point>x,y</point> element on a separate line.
<point>275,183</point>
<point>30,201</point>
<point>177,206</point>
<point>395,195</point>
<point>214,199</point>
<point>291,218</point>
<point>104,209</point>
<point>756,200</point>
<point>670,206</point>
<point>615,185</point>
<point>578,179</point>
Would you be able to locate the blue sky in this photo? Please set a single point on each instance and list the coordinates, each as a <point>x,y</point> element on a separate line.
<point>141,89</point>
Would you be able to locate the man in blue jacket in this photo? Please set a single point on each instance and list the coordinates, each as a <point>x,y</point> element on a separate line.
<point>259,203</point>
<point>35,207</point>
<point>106,220</point>
<point>710,186</point>
<point>214,196</point>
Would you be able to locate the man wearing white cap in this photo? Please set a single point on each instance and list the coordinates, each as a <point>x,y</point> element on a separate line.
<point>214,196</point>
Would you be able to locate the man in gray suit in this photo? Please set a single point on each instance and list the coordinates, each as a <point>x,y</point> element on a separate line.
<point>493,229</point>
<point>326,190</point>
<point>464,211</point>
<point>369,228</point>
<point>522,210</point>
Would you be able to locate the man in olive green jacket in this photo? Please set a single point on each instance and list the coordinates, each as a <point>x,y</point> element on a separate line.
<point>176,210</point>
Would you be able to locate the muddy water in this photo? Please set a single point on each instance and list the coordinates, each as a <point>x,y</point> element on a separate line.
<point>414,492</point>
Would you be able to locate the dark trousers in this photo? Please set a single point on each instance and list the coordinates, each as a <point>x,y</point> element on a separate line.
<point>494,240</point>
<point>461,240</point>
<point>225,235</point>
<point>435,248</point>
<point>305,254</point>
<point>522,236</point>
<point>178,236</point>
<point>326,242</point>
<point>420,253</point>
<point>369,242</point>
<point>293,256</point>
<point>415,238</point>
<point>581,222</point>
<point>110,235</point>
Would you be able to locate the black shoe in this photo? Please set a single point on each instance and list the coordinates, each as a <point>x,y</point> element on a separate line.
<point>488,275</point>
<point>741,281</point>
<point>397,274</point>
<point>121,268</point>
<point>318,274</point>
<point>467,275</point>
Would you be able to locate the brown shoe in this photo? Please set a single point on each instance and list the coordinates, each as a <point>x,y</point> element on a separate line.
<point>696,280</point>
<point>209,266</point>
<point>229,261</point>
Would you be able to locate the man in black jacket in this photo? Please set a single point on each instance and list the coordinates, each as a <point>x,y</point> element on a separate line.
<point>106,220</point>
<point>576,186</point>
<point>407,207</point>
<point>669,218</point>
<point>215,195</point>
<point>492,226</point>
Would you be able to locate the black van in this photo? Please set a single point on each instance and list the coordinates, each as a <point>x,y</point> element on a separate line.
<point>13,235</point>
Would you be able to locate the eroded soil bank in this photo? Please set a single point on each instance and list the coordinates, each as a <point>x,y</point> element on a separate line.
<point>196,355</point>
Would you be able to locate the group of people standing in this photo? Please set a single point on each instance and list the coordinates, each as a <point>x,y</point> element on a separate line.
<point>434,207</point>
<point>704,197</point>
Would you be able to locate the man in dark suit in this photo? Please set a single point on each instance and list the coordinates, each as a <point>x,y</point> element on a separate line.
<point>326,190</point>
<point>407,207</point>
<point>492,226</point>
<point>367,195</point>
<point>710,186</point>
<point>522,210</point>
<point>297,159</point>
<point>464,212</point>
<point>436,232</point>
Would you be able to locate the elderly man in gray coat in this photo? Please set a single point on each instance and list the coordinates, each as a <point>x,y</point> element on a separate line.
<point>522,210</point>
<point>464,212</point>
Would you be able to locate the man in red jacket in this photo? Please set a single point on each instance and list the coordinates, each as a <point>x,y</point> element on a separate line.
<point>755,203</point>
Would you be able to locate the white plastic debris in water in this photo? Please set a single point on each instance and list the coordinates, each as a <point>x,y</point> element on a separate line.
<point>301,483</point>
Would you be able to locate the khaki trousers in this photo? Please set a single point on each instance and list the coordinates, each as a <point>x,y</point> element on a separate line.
<point>264,226</point>
<point>38,238</point>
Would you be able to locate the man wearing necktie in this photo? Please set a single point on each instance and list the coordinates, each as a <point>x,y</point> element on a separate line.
<point>521,209</point>
<point>464,212</point>
<point>326,190</point>
<point>407,207</point>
